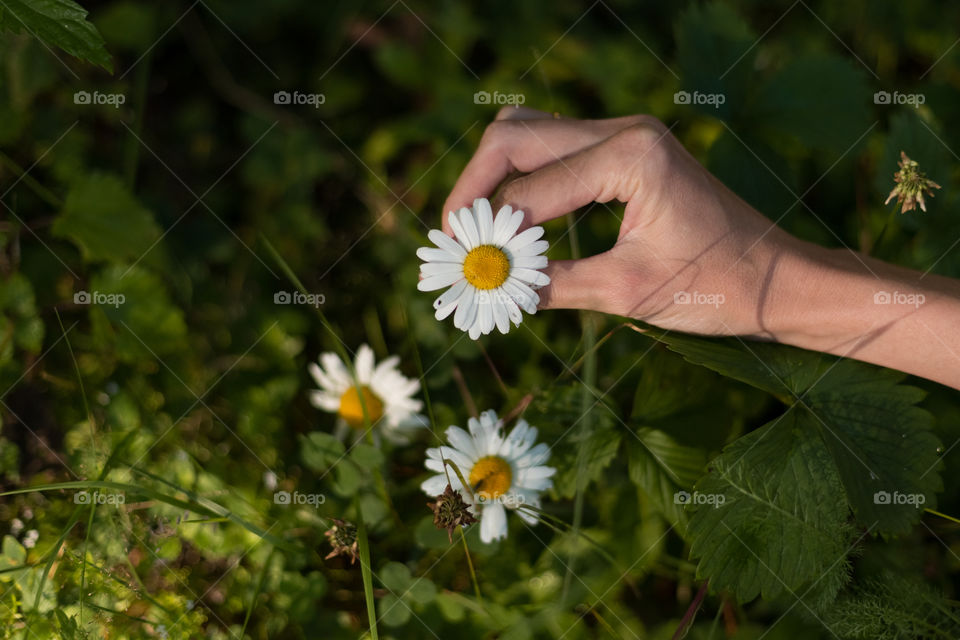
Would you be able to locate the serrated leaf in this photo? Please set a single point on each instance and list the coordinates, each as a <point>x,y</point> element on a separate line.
<point>105,221</point>
<point>878,439</point>
<point>61,23</point>
<point>771,514</point>
<point>882,444</point>
<point>661,467</point>
<point>819,99</point>
<point>319,450</point>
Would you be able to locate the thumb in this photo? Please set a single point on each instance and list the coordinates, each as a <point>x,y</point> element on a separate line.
<point>596,283</point>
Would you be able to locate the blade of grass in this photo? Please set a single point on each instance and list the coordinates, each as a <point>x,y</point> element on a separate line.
<point>586,421</point>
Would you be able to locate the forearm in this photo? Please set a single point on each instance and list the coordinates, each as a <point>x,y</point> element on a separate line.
<point>851,305</point>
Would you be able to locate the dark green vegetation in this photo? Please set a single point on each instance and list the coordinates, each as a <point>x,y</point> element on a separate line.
<point>167,182</point>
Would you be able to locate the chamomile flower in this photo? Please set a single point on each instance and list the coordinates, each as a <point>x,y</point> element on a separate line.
<point>504,472</point>
<point>387,395</point>
<point>492,271</point>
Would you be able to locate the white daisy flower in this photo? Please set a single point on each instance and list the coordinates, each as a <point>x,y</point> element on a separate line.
<point>503,472</point>
<point>491,270</point>
<point>387,394</point>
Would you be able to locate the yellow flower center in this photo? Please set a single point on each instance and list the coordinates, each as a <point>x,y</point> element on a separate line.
<point>351,410</point>
<point>491,477</point>
<point>486,267</point>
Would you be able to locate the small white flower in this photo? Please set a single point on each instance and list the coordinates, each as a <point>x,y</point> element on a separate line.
<point>492,271</point>
<point>387,394</point>
<point>503,472</point>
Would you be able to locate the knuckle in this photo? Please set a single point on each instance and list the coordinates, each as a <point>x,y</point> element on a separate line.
<point>643,136</point>
<point>498,133</point>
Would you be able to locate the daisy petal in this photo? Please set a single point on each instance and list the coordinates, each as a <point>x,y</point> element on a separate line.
<point>431,254</point>
<point>512,222</point>
<point>466,310</point>
<point>524,238</point>
<point>448,300</point>
<point>447,243</point>
<point>493,522</point>
<point>459,231</point>
<point>484,214</point>
<point>432,283</point>
<point>470,227</point>
<point>531,276</point>
<point>500,315</point>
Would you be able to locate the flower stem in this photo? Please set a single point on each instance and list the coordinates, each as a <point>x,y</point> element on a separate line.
<point>473,573</point>
<point>366,572</point>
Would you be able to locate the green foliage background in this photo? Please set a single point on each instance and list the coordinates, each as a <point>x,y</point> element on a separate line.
<point>191,396</point>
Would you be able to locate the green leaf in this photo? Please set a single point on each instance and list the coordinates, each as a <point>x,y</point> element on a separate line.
<point>818,99</point>
<point>662,467</point>
<point>879,441</point>
<point>61,23</point>
<point>135,314</point>
<point>882,444</point>
<point>367,456</point>
<point>319,450</point>
<point>395,576</point>
<point>393,611</point>
<point>105,221</point>
<point>557,415</point>
<point>771,514</point>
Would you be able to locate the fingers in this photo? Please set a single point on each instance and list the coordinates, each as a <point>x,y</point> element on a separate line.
<point>599,173</point>
<point>525,140</point>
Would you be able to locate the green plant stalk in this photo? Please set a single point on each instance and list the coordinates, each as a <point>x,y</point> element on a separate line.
<point>256,594</point>
<point>348,362</point>
<point>473,573</point>
<point>131,155</point>
<point>42,192</point>
<point>586,426</point>
<point>366,572</point>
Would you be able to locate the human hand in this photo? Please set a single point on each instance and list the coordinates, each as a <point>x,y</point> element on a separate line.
<point>690,254</point>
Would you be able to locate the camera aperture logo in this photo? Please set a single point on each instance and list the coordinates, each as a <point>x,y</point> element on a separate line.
<point>711,99</point>
<point>96,297</point>
<point>897,498</point>
<point>899,297</point>
<point>296,297</point>
<point>683,498</point>
<point>696,297</point>
<point>85,497</point>
<point>296,498</point>
<point>112,99</point>
<point>912,99</point>
<point>485,97</point>
<point>299,98</point>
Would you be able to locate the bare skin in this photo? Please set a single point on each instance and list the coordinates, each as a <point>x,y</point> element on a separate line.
<point>692,256</point>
